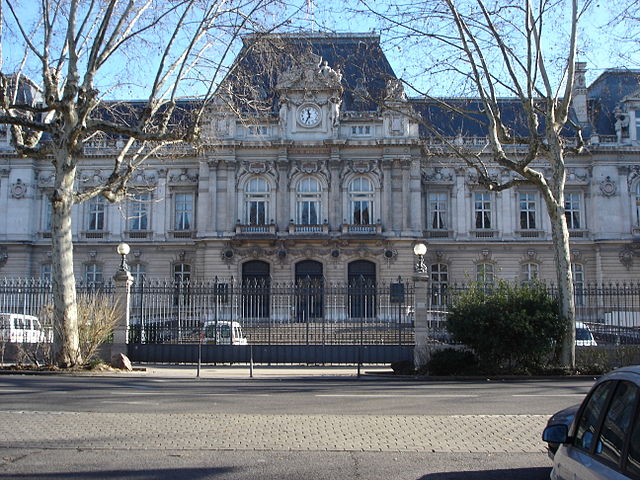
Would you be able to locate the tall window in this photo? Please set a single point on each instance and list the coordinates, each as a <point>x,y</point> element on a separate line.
<point>257,197</point>
<point>572,210</point>
<point>528,211</point>
<point>137,272</point>
<point>529,272</point>
<point>577,270</point>
<point>45,272</point>
<point>138,212</point>
<point>637,124</point>
<point>638,204</point>
<point>96,209</point>
<point>46,215</point>
<point>361,201</point>
<point>485,274</point>
<point>437,208</point>
<point>439,284</point>
<point>308,203</point>
<point>182,273</point>
<point>183,209</point>
<point>93,274</point>
<point>482,210</point>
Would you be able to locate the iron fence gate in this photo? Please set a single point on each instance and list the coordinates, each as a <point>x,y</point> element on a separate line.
<point>306,322</point>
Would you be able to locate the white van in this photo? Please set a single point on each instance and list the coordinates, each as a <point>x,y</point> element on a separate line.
<point>224,332</point>
<point>20,328</point>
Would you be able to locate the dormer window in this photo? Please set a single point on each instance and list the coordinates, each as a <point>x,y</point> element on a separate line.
<point>361,130</point>
<point>257,130</point>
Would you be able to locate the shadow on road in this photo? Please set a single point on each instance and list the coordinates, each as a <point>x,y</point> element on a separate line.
<point>157,474</point>
<point>539,473</point>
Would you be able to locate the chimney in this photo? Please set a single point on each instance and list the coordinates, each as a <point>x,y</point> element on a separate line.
<point>580,93</point>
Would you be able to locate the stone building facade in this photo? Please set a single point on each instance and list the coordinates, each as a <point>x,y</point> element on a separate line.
<point>312,177</point>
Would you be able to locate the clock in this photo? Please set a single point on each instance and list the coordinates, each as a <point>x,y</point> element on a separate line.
<point>308,115</point>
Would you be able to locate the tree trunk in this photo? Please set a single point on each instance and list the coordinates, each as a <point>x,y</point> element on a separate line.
<point>66,339</point>
<point>562,256</point>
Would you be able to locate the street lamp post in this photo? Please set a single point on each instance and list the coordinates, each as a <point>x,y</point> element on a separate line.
<point>421,279</point>
<point>420,250</point>
<point>123,250</point>
<point>122,281</point>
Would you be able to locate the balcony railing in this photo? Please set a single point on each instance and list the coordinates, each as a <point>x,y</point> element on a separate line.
<point>269,229</point>
<point>359,229</point>
<point>298,228</point>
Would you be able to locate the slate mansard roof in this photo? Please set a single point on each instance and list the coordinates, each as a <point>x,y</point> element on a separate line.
<point>363,64</point>
<point>358,57</point>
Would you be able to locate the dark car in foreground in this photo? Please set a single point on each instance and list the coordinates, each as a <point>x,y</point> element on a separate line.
<point>603,440</point>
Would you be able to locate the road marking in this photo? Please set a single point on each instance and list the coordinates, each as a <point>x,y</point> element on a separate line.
<point>384,395</point>
<point>168,394</point>
<point>130,403</point>
<point>581,395</point>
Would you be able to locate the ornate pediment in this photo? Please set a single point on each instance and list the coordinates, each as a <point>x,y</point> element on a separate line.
<point>310,73</point>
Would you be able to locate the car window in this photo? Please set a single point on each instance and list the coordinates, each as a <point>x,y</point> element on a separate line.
<point>588,423</point>
<point>617,422</point>
<point>633,459</point>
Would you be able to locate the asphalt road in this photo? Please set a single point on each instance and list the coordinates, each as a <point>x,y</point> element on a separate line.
<point>54,427</point>
<point>309,396</point>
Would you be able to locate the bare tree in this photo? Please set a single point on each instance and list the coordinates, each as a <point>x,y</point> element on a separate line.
<point>53,97</point>
<point>523,50</point>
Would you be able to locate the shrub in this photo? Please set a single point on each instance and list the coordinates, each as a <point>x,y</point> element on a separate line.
<point>512,327</point>
<point>452,361</point>
<point>98,315</point>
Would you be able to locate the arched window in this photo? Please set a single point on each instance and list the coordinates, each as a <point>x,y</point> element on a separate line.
<point>439,284</point>
<point>361,197</point>
<point>257,199</point>
<point>308,203</point>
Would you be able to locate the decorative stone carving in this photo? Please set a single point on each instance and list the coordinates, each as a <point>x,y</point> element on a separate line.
<point>19,189</point>
<point>183,176</point>
<point>395,91</point>
<point>45,179</point>
<point>633,175</point>
<point>608,187</point>
<point>144,179</point>
<point>310,73</point>
<point>437,175</point>
<point>92,177</point>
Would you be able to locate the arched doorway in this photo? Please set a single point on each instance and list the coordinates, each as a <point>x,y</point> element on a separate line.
<point>362,289</point>
<point>256,286</point>
<point>309,290</point>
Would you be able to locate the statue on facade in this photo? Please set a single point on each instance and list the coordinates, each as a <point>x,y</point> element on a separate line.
<point>395,90</point>
<point>622,124</point>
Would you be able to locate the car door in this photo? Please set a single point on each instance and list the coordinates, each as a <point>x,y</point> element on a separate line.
<point>598,448</point>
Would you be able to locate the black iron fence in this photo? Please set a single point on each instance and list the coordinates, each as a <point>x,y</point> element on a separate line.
<point>305,313</point>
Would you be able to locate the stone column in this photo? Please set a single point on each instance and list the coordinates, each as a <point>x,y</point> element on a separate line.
<point>122,296</point>
<point>421,353</point>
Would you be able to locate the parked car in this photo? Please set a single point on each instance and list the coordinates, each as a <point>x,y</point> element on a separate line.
<point>603,439</point>
<point>20,328</point>
<point>224,332</point>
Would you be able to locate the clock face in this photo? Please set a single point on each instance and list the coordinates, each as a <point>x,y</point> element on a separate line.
<point>309,115</point>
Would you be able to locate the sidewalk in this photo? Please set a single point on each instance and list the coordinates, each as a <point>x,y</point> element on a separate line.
<point>259,371</point>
